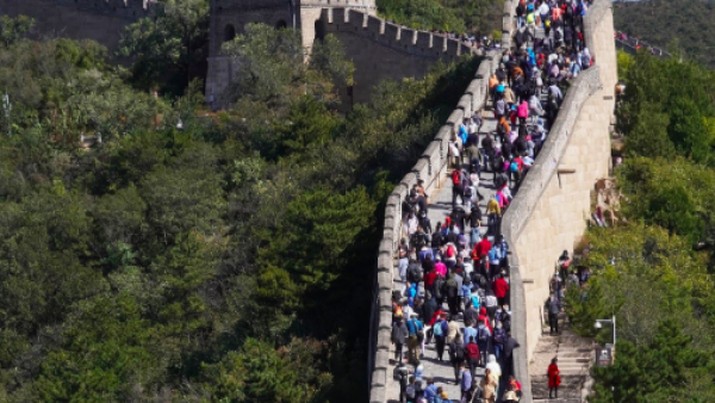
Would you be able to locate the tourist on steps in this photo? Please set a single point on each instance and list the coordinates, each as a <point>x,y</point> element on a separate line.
<point>554,379</point>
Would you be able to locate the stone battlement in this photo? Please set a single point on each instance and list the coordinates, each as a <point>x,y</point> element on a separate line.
<point>360,4</point>
<point>399,38</point>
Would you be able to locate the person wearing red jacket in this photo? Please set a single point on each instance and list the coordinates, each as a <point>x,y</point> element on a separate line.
<point>554,379</point>
<point>473,354</point>
<point>501,288</point>
<point>481,249</point>
<point>484,317</point>
<point>429,278</point>
<point>480,253</point>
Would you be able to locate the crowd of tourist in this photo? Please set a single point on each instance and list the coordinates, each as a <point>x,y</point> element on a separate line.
<point>456,274</point>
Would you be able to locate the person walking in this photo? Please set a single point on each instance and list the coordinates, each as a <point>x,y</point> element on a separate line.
<point>554,378</point>
<point>489,387</point>
<point>473,354</point>
<point>495,369</point>
<point>415,335</point>
<point>507,358</point>
<point>399,336</point>
<point>439,331</point>
<point>554,307</point>
<point>465,384</point>
<point>456,355</point>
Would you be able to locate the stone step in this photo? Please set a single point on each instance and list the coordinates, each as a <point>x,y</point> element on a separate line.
<point>570,387</point>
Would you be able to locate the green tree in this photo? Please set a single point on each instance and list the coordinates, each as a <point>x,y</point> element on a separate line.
<point>650,134</point>
<point>656,371</point>
<point>104,357</point>
<point>422,14</point>
<point>271,63</point>
<point>328,57</point>
<point>317,228</point>
<point>13,29</point>
<point>257,372</point>
<point>168,49</point>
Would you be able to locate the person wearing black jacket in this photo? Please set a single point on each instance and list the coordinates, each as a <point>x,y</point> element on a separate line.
<point>507,363</point>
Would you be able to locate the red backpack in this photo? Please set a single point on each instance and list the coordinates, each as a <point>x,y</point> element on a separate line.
<point>456,178</point>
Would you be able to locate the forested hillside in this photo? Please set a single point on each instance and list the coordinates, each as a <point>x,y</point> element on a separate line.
<point>153,250</point>
<point>685,25</point>
<point>457,16</point>
<point>655,269</point>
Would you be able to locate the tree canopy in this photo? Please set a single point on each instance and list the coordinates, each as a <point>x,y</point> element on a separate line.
<point>654,270</point>
<point>188,262</point>
<point>682,26</point>
<point>457,16</point>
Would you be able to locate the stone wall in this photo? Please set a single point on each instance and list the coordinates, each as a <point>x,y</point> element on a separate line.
<point>551,210</point>
<point>431,167</point>
<point>381,50</point>
<point>100,20</point>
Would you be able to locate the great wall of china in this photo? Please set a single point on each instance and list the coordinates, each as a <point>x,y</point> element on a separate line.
<point>548,215</point>
<point>555,198</point>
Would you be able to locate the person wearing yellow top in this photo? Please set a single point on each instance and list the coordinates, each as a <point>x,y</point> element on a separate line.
<point>493,207</point>
<point>493,216</point>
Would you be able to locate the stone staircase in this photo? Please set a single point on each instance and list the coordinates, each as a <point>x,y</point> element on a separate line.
<point>575,356</point>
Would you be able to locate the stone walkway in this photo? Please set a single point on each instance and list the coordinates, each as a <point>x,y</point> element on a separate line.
<point>575,356</point>
<point>439,208</point>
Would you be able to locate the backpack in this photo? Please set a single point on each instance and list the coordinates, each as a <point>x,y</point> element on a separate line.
<point>472,353</point>
<point>499,335</point>
<point>412,327</point>
<point>414,273</point>
<point>513,167</point>
<point>585,61</point>
<point>438,284</point>
<point>451,288</point>
<point>456,178</point>
<point>437,329</point>
<point>457,351</point>
<point>483,335</point>
<point>450,251</point>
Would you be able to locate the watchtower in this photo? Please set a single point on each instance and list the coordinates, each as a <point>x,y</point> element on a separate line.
<point>229,18</point>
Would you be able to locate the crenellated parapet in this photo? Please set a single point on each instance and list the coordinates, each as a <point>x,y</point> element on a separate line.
<point>368,5</point>
<point>398,38</point>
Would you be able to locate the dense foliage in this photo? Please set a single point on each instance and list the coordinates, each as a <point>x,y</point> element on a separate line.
<point>226,258</point>
<point>169,50</point>
<point>459,16</point>
<point>655,271</point>
<point>677,24</point>
<point>668,116</point>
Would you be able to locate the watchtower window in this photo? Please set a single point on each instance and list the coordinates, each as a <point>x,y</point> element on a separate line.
<point>281,24</point>
<point>229,33</point>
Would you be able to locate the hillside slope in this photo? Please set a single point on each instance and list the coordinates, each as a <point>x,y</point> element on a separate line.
<point>685,24</point>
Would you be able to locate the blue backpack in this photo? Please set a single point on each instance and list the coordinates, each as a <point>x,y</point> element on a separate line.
<point>438,331</point>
